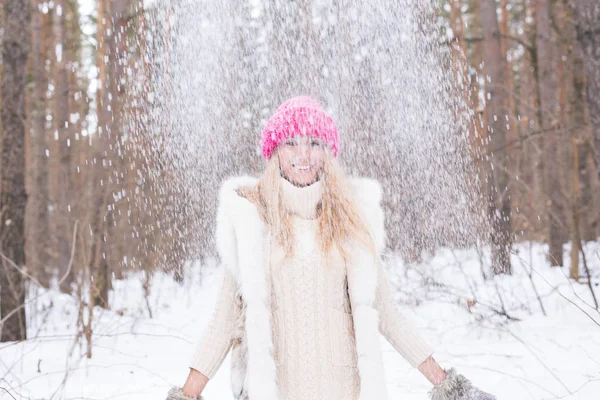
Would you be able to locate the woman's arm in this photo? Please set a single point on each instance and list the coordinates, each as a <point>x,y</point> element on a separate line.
<point>447,384</point>
<point>216,340</point>
<point>401,334</point>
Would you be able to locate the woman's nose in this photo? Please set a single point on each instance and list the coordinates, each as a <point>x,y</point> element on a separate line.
<point>303,150</point>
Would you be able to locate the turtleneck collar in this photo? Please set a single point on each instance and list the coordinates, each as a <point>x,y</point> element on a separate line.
<point>301,201</point>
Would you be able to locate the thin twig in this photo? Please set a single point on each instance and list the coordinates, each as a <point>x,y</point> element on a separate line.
<point>522,42</point>
<point>530,275</point>
<point>22,271</point>
<point>519,377</point>
<point>589,276</point>
<point>6,390</point>
<point>566,298</point>
<point>72,253</point>
<point>539,360</point>
<point>575,293</point>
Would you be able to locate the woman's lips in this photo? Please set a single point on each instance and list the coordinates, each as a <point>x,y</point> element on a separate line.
<point>302,168</point>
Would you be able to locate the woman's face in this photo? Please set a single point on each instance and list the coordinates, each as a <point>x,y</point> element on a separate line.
<point>301,159</point>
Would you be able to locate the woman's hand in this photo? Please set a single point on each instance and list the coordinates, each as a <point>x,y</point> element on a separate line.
<point>193,387</point>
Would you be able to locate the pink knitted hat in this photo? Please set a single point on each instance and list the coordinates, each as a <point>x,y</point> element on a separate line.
<point>303,116</point>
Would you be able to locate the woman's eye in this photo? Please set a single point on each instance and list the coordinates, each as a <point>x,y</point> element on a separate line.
<point>315,144</point>
<point>290,143</point>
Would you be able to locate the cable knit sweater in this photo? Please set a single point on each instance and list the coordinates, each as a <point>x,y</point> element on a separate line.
<point>312,326</point>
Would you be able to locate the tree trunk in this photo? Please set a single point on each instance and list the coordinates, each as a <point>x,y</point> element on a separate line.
<point>97,251</point>
<point>575,237</point>
<point>507,72</point>
<point>570,106</point>
<point>37,206</point>
<point>499,207</point>
<point>549,111</point>
<point>62,184</point>
<point>479,137</point>
<point>13,196</point>
<point>587,15</point>
<point>579,120</point>
<point>526,186</point>
<point>459,56</point>
<point>116,227</point>
<point>112,18</point>
<point>536,142</point>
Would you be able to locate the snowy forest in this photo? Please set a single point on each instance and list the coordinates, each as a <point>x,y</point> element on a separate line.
<point>120,119</point>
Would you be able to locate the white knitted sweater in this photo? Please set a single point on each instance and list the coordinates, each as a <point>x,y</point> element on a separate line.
<point>312,327</point>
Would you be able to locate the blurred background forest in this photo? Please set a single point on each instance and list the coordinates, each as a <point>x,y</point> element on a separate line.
<point>84,196</point>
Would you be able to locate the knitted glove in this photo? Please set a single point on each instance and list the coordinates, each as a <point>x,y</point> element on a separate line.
<point>176,393</point>
<point>457,387</point>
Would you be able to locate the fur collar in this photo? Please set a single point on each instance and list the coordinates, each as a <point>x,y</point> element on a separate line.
<point>367,193</point>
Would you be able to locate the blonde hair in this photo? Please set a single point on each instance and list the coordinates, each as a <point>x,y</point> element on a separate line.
<point>339,220</point>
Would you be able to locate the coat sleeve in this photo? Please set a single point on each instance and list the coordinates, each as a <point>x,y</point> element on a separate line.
<point>394,326</point>
<point>218,336</point>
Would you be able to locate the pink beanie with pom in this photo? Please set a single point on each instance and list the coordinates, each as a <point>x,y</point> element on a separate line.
<point>299,116</point>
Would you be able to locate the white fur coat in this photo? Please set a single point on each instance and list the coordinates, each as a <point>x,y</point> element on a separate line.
<point>241,239</point>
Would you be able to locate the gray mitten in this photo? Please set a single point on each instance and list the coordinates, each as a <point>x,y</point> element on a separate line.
<point>176,393</point>
<point>457,387</point>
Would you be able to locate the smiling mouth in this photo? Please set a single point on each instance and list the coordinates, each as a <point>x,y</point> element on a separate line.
<point>302,167</point>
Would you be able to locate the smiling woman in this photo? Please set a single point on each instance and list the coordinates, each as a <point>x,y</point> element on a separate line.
<point>301,249</point>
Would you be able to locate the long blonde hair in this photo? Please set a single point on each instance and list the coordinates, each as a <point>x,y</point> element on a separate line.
<point>339,220</point>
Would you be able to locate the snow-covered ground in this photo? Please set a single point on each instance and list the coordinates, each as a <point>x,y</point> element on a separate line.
<point>530,356</point>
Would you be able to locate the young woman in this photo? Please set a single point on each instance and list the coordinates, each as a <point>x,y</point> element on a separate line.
<point>304,295</point>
